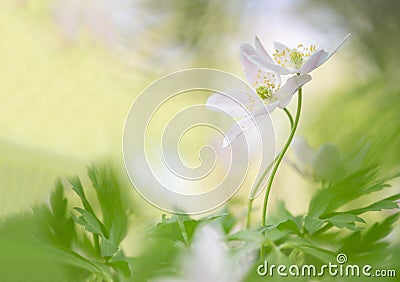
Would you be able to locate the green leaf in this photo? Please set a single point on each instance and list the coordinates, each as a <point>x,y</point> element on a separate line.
<point>58,202</point>
<point>123,267</point>
<point>312,224</point>
<point>177,228</point>
<point>369,245</point>
<point>277,256</point>
<point>360,183</point>
<point>108,248</point>
<point>113,203</point>
<point>379,231</point>
<point>225,218</point>
<point>247,236</point>
<point>76,260</point>
<point>388,203</point>
<point>288,225</point>
<point>55,222</point>
<point>90,222</point>
<point>309,248</point>
<point>343,219</point>
<point>57,228</point>
<point>80,220</point>
<point>78,188</point>
<point>26,255</point>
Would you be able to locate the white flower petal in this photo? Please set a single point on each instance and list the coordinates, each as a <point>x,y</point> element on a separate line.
<point>242,125</point>
<point>250,70</point>
<point>272,106</point>
<point>275,78</point>
<point>265,108</point>
<point>236,103</point>
<point>338,46</point>
<point>280,46</point>
<point>314,62</point>
<point>260,49</point>
<point>208,255</point>
<point>320,57</point>
<point>251,53</point>
<point>210,259</point>
<point>287,91</point>
<point>257,77</point>
<point>265,65</point>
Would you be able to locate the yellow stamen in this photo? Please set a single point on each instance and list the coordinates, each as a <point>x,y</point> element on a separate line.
<point>294,58</point>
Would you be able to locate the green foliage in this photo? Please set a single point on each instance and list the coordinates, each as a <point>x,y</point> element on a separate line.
<point>54,222</point>
<point>22,258</point>
<point>83,242</point>
<point>331,198</point>
<point>329,228</point>
<point>108,232</point>
<point>109,195</point>
<point>368,245</point>
<point>100,256</point>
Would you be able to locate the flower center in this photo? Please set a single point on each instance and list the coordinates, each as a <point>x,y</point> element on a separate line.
<point>294,58</point>
<point>264,92</point>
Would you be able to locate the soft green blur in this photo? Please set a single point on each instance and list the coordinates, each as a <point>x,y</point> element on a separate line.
<point>365,109</point>
<point>69,77</point>
<point>67,83</point>
<point>66,86</point>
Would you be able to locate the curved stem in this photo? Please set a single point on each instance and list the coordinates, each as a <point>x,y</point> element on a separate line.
<point>249,208</point>
<point>251,197</point>
<point>280,157</point>
<point>290,117</point>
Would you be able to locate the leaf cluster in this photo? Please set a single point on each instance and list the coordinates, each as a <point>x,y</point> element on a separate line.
<point>334,224</point>
<point>88,242</point>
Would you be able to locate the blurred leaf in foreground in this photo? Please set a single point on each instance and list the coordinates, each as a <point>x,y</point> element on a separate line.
<point>50,244</point>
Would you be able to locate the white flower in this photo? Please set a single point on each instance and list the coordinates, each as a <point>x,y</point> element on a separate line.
<point>255,102</point>
<point>210,260</point>
<point>285,60</point>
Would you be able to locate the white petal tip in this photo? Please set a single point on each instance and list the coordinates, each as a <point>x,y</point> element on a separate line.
<point>346,37</point>
<point>225,143</point>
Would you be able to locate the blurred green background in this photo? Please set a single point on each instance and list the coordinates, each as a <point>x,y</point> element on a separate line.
<point>71,69</point>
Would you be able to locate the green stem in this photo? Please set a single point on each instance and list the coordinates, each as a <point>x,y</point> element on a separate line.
<point>183,230</point>
<point>290,117</point>
<point>96,241</point>
<point>249,208</point>
<point>279,160</point>
<point>251,198</point>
